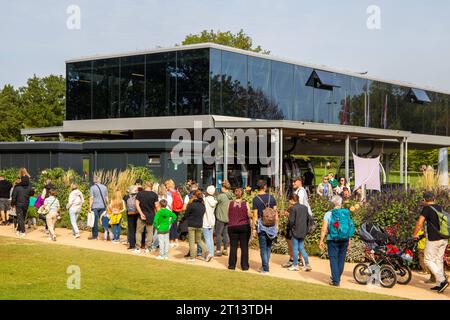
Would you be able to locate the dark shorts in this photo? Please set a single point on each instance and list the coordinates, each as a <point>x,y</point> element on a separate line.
<point>5,204</point>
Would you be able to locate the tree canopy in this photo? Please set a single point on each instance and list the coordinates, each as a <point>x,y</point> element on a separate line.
<point>238,40</point>
<point>38,104</point>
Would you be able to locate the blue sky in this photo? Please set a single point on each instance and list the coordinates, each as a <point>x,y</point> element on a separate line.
<point>413,44</point>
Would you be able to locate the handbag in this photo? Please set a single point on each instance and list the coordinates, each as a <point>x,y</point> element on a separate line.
<point>44,209</point>
<point>90,219</point>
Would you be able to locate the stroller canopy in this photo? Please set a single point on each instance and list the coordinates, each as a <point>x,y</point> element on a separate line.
<point>373,235</point>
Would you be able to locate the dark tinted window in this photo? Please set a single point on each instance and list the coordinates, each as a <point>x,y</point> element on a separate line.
<point>357,101</point>
<point>260,103</point>
<point>304,95</point>
<point>132,82</point>
<point>234,84</point>
<point>78,90</point>
<point>282,90</point>
<point>160,84</point>
<point>105,103</point>
<point>193,82</point>
<point>215,81</point>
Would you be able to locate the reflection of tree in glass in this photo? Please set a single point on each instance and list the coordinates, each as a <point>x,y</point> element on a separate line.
<point>238,101</point>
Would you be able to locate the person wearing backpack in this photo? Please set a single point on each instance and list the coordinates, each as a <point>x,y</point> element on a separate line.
<point>221,212</point>
<point>265,223</point>
<point>437,230</point>
<point>298,226</point>
<point>175,204</point>
<point>132,216</point>
<point>338,227</point>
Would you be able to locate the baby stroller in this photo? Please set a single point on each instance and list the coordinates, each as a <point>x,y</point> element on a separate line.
<point>384,256</point>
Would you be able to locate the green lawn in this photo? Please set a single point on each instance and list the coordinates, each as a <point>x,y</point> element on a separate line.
<point>32,270</point>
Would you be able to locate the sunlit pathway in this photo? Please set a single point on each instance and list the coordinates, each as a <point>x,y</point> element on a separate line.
<point>320,274</point>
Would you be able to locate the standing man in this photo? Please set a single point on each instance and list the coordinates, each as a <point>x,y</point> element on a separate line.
<point>436,243</point>
<point>21,200</point>
<point>221,211</point>
<point>308,177</point>
<point>300,191</point>
<point>98,201</point>
<point>146,203</point>
<point>266,234</point>
<point>5,202</point>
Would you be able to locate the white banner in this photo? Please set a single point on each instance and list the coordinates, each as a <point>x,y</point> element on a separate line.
<point>367,172</point>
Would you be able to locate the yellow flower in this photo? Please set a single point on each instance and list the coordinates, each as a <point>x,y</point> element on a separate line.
<point>352,209</point>
<point>357,206</point>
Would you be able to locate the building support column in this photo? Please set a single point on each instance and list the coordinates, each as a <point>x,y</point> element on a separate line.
<point>225,154</point>
<point>402,155</point>
<point>406,164</point>
<point>281,156</point>
<point>443,167</point>
<point>275,157</point>
<point>347,157</point>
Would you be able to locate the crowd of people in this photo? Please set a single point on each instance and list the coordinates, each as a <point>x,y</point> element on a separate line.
<point>158,217</point>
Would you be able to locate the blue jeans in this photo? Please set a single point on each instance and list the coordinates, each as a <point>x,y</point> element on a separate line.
<point>299,244</point>
<point>155,243</point>
<point>265,245</point>
<point>97,212</point>
<point>337,250</point>
<point>163,244</point>
<point>116,231</point>
<point>208,235</point>
<point>73,213</point>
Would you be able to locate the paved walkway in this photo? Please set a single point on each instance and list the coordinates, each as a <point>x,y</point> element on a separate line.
<point>417,289</point>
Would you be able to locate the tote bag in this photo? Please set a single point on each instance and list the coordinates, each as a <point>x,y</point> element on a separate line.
<point>90,219</point>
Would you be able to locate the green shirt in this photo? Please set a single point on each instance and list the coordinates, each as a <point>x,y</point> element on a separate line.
<point>163,219</point>
<point>222,206</point>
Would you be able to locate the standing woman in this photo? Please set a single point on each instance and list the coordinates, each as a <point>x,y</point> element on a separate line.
<point>194,217</point>
<point>298,225</point>
<point>74,205</point>
<point>209,219</point>
<point>239,230</point>
<point>117,207</point>
<point>342,183</point>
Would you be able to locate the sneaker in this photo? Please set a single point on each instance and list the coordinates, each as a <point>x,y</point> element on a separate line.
<point>334,284</point>
<point>131,248</point>
<point>160,257</point>
<point>92,238</point>
<point>293,268</point>
<point>54,238</point>
<point>46,231</point>
<point>443,286</point>
<point>225,252</point>
<point>137,251</point>
<point>208,258</point>
<point>218,253</point>
<point>260,270</point>
<point>288,264</point>
<point>307,268</point>
<point>77,236</point>
<point>187,255</point>
<point>147,251</point>
<point>166,258</point>
<point>190,260</point>
<point>22,235</point>
<point>18,233</point>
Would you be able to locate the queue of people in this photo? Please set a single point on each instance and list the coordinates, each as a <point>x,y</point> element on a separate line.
<point>158,217</point>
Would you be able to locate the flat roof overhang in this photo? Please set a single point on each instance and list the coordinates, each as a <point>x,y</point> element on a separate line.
<point>119,127</point>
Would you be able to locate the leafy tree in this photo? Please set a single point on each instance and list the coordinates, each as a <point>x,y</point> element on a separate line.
<point>43,101</point>
<point>10,115</point>
<point>238,40</point>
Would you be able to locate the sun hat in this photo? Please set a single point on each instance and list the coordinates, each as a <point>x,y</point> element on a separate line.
<point>211,190</point>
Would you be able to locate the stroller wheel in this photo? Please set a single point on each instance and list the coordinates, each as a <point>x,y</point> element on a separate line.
<point>404,275</point>
<point>388,277</point>
<point>361,273</point>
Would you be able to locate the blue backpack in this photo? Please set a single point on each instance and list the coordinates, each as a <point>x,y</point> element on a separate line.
<point>341,225</point>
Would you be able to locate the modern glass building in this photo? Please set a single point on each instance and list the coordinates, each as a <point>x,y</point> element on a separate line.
<point>215,80</point>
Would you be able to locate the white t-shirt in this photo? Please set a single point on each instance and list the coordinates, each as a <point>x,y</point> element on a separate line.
<point>303,198</point>
<point>52,203</point>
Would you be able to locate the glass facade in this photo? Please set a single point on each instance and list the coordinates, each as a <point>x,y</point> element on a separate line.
<point>221,82</point>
